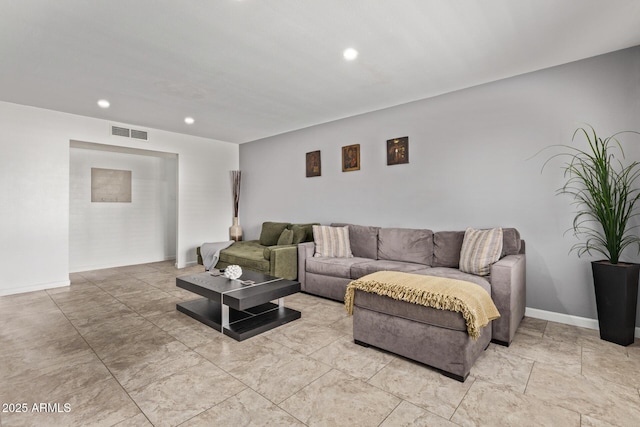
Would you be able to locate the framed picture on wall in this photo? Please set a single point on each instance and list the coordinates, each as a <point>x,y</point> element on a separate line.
<point>351,158</point>
<point>314,167</point>
<point>110,185</point>
<point>398,151</point>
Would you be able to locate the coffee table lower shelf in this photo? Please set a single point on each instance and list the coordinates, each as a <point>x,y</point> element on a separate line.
<point>242,324</point>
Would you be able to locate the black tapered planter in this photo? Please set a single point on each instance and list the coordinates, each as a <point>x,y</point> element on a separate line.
<point>616,288</point>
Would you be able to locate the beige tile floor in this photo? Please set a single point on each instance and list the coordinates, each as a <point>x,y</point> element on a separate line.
<point>113,347</point>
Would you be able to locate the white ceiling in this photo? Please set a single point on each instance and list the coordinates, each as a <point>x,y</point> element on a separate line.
<point>255,68</point>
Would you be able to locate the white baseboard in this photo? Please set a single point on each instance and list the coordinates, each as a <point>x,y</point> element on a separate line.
<point>32,288</point>
<point>186,264</point>
<point>567,319</point>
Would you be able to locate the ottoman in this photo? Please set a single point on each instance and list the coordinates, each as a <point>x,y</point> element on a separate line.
<point>437,338</point>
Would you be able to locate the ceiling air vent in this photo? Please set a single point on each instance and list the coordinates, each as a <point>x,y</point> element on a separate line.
<point>119,131</point>
<point>129,133</point>
<point>139,134</point>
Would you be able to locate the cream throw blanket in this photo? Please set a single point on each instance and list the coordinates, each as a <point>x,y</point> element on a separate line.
<point>471,300</point>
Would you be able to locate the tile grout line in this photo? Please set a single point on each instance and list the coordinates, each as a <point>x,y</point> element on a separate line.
<point>461,400</point>
<point>391,412</point>
<point>100,359</point>
<point>298,391</point>
<point>212,406</point>
<point>277,405</point>
<point>526,386</point>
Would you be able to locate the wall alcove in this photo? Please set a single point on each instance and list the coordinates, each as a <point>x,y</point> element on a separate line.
<point>135,219</point>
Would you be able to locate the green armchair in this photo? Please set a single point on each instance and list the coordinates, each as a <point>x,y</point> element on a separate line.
<point>275,253</point>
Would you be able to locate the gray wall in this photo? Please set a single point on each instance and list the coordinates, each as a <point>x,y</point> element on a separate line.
<point>470,165</point>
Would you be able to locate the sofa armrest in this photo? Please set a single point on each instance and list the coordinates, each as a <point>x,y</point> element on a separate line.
<point>305,250</point>
<point>283,261</point>
<point>508,291</point>
<point>266,252</point>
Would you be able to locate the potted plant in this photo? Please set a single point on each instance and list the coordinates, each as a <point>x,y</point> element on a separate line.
<point>605,190</point>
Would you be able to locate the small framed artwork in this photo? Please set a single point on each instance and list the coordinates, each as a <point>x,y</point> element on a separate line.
<point>398,151</point>
<point>351,158</point>
<point>314,167</point>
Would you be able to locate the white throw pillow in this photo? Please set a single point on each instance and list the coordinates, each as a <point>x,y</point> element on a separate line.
<point>480,249</point>
<point>332,241</point>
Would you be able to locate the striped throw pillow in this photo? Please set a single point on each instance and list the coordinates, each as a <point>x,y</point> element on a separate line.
<point>332,241</point>
<point>480,249</point>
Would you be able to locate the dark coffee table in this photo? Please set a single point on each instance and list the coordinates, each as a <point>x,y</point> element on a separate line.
<point>239,310</point>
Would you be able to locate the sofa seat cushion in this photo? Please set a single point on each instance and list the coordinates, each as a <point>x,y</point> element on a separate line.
<point>454,273</point>
<point>364,268</point>
<point>249,254</point>
<point>335,267</point>
<point>406,310</point>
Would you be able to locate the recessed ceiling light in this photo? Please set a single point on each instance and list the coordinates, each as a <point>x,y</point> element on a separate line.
<point>350,54</point>
<point>103,103</point>
<point>189,120</point>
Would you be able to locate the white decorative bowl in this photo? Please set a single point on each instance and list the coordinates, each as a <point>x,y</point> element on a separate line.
<point>233,272</point>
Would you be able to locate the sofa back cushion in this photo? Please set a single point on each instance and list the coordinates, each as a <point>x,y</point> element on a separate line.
<point>302,232</point>
<point>446,248</point>
<point>448,244</point>
<point>332,241</point>
<point>511,243</point>
<point>271,232</point>
<point>406,244</point>
<point>364,240</point>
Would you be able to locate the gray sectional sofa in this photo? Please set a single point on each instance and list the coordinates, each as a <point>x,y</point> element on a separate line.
<point>435,337</point>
